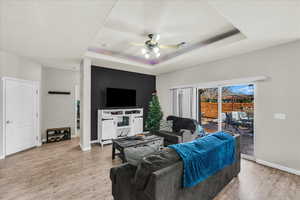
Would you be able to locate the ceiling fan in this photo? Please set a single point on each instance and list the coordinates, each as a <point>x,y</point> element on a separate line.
<point>152,47</point>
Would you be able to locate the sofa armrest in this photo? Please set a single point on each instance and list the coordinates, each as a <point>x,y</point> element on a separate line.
<point>122,181</point>
<point>167,182</point>
<point>237,153</point>
<point>168,136</point>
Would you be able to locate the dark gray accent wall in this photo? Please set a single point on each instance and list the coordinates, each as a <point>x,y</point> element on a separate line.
<point>102,78</point>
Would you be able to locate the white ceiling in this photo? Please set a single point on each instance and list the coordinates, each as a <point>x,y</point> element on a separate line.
<point>57,33</point>
<point>167,18</point>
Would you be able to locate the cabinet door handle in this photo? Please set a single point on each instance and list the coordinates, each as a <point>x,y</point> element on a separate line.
<point>8,122</point>
<point>107,119</point>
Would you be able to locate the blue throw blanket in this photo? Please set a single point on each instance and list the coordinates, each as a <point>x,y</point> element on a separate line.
<point>205,156</point>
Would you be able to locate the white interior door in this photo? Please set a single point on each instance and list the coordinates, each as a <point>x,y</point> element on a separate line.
<point>20,116</point>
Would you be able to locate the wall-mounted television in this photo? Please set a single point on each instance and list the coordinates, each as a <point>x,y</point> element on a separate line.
<point>118,97</point>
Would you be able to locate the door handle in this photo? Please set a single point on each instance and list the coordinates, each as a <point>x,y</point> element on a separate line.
<point>8,122</point>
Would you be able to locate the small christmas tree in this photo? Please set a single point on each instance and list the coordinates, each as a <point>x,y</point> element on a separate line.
<point>154,115</point>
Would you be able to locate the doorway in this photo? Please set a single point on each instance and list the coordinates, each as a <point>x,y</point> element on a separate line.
<point>231,109</point>
<point>77,110</point>
<point>21,115</point>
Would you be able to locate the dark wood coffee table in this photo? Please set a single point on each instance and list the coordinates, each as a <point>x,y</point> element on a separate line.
<point>123,143</point>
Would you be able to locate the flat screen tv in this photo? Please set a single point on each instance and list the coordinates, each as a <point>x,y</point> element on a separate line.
<point>117,97</point>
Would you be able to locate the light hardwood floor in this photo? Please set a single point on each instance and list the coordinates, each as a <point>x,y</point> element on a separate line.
<point>61,171</point>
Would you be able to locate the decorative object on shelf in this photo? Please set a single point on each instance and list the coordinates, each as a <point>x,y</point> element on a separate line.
<point>154,115</point>
<point>58,134</point>
<point>59,92</point>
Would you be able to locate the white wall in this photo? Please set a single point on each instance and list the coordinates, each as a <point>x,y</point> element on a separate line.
<point>277,141</point>
<point>58,110</point>
<point>17,67</point>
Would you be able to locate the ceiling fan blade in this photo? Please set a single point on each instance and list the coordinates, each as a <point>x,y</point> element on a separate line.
<point>175,46</point>
<point>168,46</point>
<point>137,44</point>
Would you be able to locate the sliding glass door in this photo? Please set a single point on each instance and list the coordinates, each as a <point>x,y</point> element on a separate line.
<point>231,109</point>
<point>238,114</point>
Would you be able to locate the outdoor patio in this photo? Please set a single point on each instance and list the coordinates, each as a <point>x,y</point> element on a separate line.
<point>247,139</point>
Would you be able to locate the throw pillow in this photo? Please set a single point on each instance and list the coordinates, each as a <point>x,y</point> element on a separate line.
<point>200,131</point>
<point>166,125</point>
<point>134,155</point>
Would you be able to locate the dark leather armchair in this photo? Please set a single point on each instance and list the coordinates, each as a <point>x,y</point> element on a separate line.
<point>178,135</point>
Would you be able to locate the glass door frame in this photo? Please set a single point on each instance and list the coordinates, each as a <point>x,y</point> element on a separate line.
<point>220,86</point>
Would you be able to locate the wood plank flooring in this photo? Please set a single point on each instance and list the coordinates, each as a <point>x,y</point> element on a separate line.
<point>62,171</point>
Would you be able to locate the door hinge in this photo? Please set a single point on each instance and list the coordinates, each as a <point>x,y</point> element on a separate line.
<point>37,92</point>
<point>37,115</point>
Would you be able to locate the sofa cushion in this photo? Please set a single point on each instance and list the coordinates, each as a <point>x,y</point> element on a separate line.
<point>152,163</point>
<point>134,155</point>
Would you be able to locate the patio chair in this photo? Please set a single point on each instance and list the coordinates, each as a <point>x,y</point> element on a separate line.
<point>231,123</point>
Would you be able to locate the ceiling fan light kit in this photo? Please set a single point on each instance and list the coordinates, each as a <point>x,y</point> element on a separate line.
<point>156,49</point>
<point>152,48</point>
<point>150,53</point>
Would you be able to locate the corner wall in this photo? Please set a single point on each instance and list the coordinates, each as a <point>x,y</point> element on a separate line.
<point>277,141</point>
<point>58,110</point>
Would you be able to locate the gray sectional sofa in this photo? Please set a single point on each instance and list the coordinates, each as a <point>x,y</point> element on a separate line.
<point>159,177</point>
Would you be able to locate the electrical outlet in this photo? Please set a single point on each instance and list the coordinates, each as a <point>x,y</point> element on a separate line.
<point>281,116</point>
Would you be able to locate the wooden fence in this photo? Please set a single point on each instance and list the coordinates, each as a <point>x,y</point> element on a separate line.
<point>210,110</point>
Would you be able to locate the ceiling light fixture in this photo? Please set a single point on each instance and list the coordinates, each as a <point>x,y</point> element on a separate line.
<point>151,52</point>
<point>144,51</point>
<point>155,49</point>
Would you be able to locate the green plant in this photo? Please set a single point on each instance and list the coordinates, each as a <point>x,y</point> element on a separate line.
<point>154,114</point>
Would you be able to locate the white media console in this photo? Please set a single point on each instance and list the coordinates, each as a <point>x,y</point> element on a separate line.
<point>117,123</point>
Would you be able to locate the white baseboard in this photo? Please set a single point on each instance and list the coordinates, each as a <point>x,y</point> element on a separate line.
<point>85,148</point>
<point>94,141</point>
<point>277,166</point>
<point>2,157</point>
